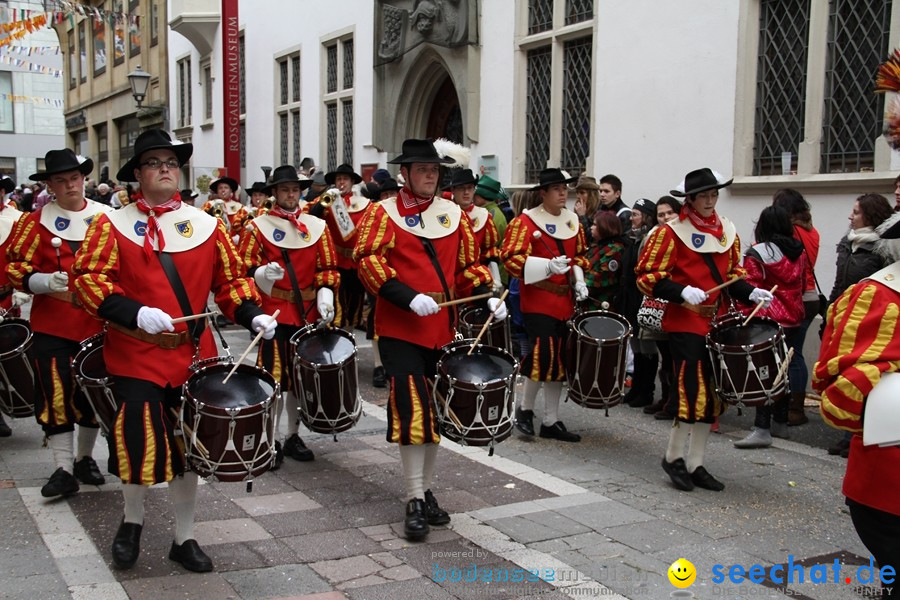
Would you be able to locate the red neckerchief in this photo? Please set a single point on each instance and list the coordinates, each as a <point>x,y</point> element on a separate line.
<point>277,211</point>
<point>347,197</point>
<point>153,228</point>
<point>410,204</point>
<point>469,209</point>
<point>711,225</point>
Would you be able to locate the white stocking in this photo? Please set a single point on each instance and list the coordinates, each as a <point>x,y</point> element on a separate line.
<point>183,492</point>
<point>87,437</point>
<point>428,470</point>
<point>552,391</point>
<point>293,413</point>
<point>377,353</point>
<point>134,502</point>
<point>412,458</point>
<point>697,446</point>
<point>677,438</point>
<point>531,390</point>
<point>61,446</point>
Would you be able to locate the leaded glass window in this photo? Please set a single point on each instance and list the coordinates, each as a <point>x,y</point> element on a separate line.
<point>540,16</point>
<point>295,78</point>
<point>576,133</point>
<point>295,137</point>
<point>347,133</point>
<point>579,10</point>
<point>283,138</point>
<point>331,68</point>
<point>331,128</point>
<point>537,128</point>
<point>348,64</point>
<point>283,69</point>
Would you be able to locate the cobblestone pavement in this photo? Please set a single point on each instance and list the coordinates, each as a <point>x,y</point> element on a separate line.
<point>597,519</point>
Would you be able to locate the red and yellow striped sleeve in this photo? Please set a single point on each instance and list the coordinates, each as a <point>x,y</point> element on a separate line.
<point>374,240</point>
<point>516,247</point>
<point>25,239</point>
<point>490,243</point>
<point>230,285</point>
<point>250,249</point>
<point>861,342</point>
<point>326,263</point>
<point>470,273</point>
<point>96,266</point>
<point>735,269</point>
<point>580,259</point>
<point>656,260</point>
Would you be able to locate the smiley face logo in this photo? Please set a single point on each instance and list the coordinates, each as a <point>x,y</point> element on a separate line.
<point>682,573</point>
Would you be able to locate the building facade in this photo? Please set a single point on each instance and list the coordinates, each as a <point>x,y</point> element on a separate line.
<point>776,93</point>
<point>31,94</point>
<point>103,42</point>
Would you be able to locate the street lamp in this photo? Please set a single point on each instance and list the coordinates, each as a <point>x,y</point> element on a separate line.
<point>140,81</point>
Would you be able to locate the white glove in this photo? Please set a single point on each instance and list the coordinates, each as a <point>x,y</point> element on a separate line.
<point>581,291</point>
<point>266,324</point>
<point>760,295</point>
<point>693,295</point>
<point>20,298</point>
<point>325,304</point>
<point>266,276</point>
<point>45,283</point>
<point>498,308</point>
<point>496,282</point>
<point>559,265</point>
<point>424,305</point>
<point>153,320</point>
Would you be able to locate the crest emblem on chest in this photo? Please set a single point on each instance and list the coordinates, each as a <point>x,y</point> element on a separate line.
<point>444,220</point>
<point>140,228</point>
<point>551,228</point>
<point>697,239</point>
<point>61,223</point>
<point>278,235</point>
<point>184,228</point>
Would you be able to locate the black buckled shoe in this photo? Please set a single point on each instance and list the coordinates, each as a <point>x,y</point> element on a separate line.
<point>61,483</point>
<point>279,457</point>
<point>191,557</point>
<point>415,527</point>
<point>701,478</point>
<point>126,545</point>
<point>525,421</point>
<point>558,431</point>
<point>436,515</point>
<point>379,378</point>
<point>5,431</point>
<point>87,471</point>
<point>677,472</point>
<point>296,449</point>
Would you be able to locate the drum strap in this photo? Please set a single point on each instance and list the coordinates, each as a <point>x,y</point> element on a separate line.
<point>707,258</point>
<point>196,326</point>
<point>432,256</point>
<point>295,285</point>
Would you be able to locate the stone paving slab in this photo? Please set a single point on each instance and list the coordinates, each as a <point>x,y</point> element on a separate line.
<point>271,582</point>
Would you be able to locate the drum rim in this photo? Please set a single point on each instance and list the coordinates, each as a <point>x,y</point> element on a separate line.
<point>21,348</point>
<point>577,319</point>
<point>312,330</point>
<point>276,385</point>
<point>459,345</point>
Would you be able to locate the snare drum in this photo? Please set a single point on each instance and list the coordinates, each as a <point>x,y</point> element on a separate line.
<point>326,379</point>
<point>747,361</point>
<point>474,393</point>
<point>595,358</point>
<point>228,429</point>
<point>16,369</point>
<point>472,319</point>
<point>90,373</point>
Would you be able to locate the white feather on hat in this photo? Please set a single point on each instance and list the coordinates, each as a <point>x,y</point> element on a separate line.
<point>460,154</point>
<point>889,248</point>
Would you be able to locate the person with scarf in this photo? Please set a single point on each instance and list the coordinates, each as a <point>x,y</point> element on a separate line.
<point>416,251</point>
<point>682,259</point>
<point>38,266</point>
<point>120,277</point>
<point>778,258</point>
<point>541,247</point>
<point>287,231</point>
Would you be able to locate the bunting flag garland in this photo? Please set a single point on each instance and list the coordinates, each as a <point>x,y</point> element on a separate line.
<point>31,50</point>
<point>33,100</point>
<point>32,67</point>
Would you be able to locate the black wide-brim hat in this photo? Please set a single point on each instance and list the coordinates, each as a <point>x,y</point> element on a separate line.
<point>232,183</point>
<point>7,184</point>
<point>390,185</point>
<point>420,151</point>
<point>61,161</point>
<point>701,180</point>
<point>461,177</point>
<point>343,169</point>
<point>258,186</point>
<point>550,177</point>
<point>153,139</point>
<point>287,174</point>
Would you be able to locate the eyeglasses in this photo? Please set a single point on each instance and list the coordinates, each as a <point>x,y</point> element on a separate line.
<point>155,163</point>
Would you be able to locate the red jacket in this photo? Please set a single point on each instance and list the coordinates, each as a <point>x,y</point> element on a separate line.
<point>810,239</point>
<point>766,267</point>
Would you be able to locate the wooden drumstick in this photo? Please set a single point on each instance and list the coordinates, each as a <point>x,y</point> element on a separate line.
<point>56,243</point>
<point>469,299</point>
<point>783,368</point>
<point>197,442</point>
<point>759,305</point>
<point>211,313</point>
<point>723,285</point>
<point>487,323</point>
<point>255,341</point>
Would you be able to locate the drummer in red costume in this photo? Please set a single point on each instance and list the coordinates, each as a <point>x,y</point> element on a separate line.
<point>127,271</point>
<point>414,252</point>
<point>343,223</point>
<point>861,343</point>
<point>58,322</point>
<point>462,185</point>
<point>286,232</point>
<point>680,260</point>
<point>9,304</point>
<point>541,247</point>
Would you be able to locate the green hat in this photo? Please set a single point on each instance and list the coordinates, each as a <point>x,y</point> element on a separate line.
<point>489,188</point>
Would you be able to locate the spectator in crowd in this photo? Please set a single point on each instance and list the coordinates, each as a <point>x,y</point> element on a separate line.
<point>611,199</point>
<point>588,202</point>
<point>603,277</point>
